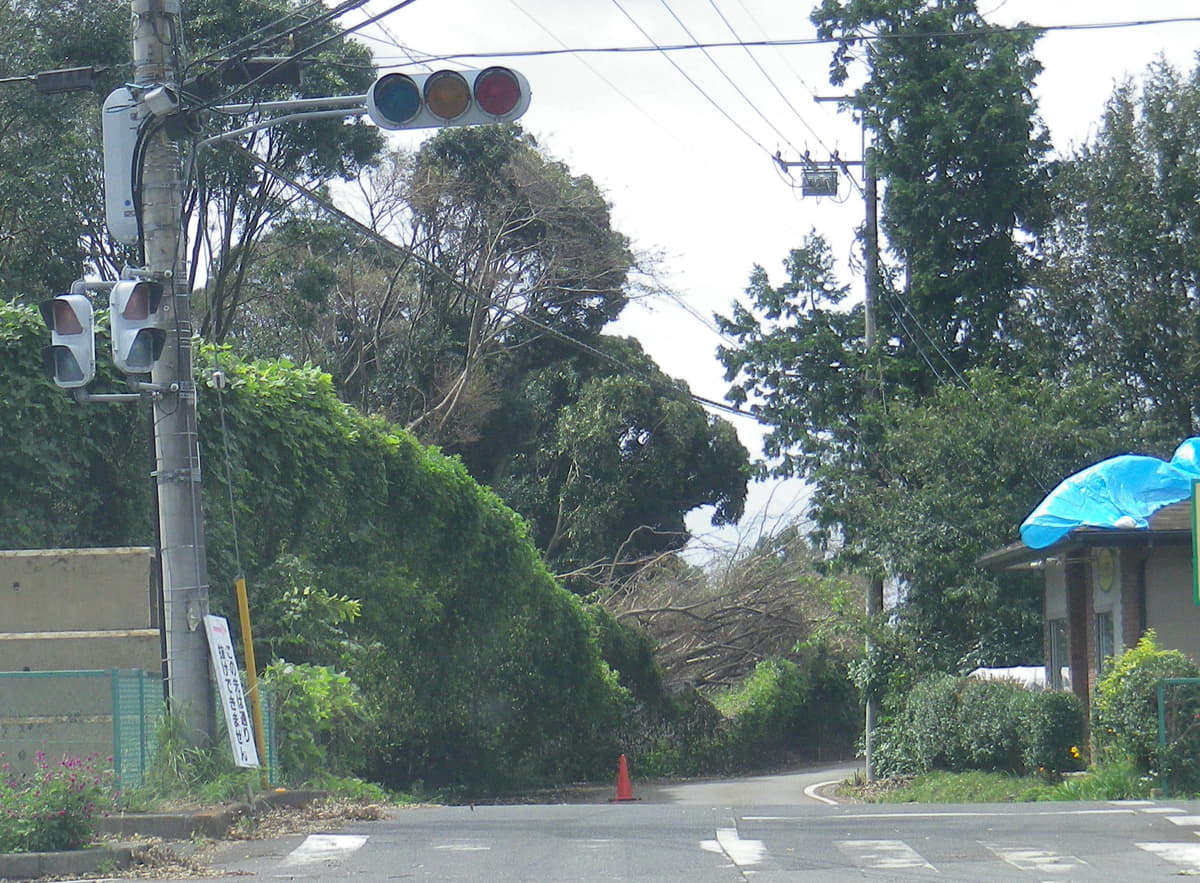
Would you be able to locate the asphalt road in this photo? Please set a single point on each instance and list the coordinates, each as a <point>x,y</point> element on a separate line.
<point>673,834</point>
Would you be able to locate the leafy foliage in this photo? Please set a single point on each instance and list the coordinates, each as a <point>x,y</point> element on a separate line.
<point>1125,702</point>
<point>319,714</point>
<point>55,808</point>
<point>960,149</point>
<point>956,724</point>
<point>1122,258</point>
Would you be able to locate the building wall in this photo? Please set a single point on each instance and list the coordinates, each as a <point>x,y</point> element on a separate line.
<point>1170,610</point>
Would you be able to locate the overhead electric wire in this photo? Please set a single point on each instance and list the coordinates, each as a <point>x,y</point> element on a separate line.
<point>651,117</point>
<point>767,76</point>
<point>729,79</point>
<point>314,47</point>
<point>696,85</point>
<point>239,46</point>
<point>380,239</point>
<point>819,41</point>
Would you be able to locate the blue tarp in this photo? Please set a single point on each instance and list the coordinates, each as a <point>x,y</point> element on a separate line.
<point>1121,492</point>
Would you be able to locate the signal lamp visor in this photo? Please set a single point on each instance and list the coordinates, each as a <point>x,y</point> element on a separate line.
<point>65,319</point>
<point>65,366</point>
<point>447,95</point>
<point>140,305</point>
<point>397,98</point>
<point>497,91</point>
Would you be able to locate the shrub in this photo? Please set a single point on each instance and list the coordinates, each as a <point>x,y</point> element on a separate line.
<point>1056,728</point>
<point>993,718</point>
<point>316,708</point>
<point>53,809</point>
<point>1125,704</point>
<point>766,709</point>
<point>928,729</point>
<point>955,724</point>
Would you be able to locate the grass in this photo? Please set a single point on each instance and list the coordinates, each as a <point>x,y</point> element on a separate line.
<point>1116,782</point>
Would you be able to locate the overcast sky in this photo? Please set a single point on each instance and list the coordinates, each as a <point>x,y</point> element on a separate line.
<point>681,142</point>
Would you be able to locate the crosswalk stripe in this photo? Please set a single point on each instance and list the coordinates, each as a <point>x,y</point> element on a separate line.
<point>1038,860</point>
<point>889,855</point>
<point>324,847</point>
<point>1186,854</point>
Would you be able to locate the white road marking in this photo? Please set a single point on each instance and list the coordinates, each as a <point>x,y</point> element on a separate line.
<point>887,855</point>
<point>1193,821</point>
<point>983,814</point>
<point>324,847</point>
<point>1187,854</point>
<point>464,846</point>
<point>1164,810</point>
<point>1037,860</point>
<point>811,791</point>
<point>741,852</point>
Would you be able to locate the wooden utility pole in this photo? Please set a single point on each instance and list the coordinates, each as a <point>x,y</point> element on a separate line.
<point>156,54</point>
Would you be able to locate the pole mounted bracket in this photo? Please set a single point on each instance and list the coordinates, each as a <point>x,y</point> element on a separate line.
<point>157,7</point>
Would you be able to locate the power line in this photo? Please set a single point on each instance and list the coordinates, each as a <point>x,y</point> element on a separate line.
<point>728,78</point>
<point>819,41</point>
<point>769,78</point>
<point>687,77</point>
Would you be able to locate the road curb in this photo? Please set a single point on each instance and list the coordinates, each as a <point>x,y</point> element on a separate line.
<point>31,865</point>
<point>208,823</point>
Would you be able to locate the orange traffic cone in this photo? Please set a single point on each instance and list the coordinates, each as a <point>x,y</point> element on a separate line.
<point>624,788</point>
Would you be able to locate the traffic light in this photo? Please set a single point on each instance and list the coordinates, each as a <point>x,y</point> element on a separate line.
<point>447,98</point>
<point>71,357</point>
<point>137,338</point>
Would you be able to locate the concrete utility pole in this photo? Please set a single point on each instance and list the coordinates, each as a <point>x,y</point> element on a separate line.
<point>874,603</point>
<point>156,52</point>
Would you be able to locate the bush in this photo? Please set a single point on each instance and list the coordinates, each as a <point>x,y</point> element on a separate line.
<point>928,729</point>
<point>955,724</point>
<point>53,809</point>
<point>993,717</point>
<point>1125,704</point>
<point>1056,728</point>
<point>766,709</point>
<point>316,709</point>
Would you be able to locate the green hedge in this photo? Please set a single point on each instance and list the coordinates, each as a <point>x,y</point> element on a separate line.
<point>955,724</point>
<point>480,671</point>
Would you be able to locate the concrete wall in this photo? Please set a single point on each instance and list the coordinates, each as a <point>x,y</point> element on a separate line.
<point>67,618</point>
<point>67,609</point>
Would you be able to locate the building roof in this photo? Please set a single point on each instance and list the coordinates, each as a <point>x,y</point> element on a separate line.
<point>1170,525</point>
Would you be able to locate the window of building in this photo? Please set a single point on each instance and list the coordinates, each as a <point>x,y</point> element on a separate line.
<point>1060,661</point>
<point>1104,640</point>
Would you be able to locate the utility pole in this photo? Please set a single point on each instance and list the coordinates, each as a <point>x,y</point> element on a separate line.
<point>156,53</point>
<point>820,187</point>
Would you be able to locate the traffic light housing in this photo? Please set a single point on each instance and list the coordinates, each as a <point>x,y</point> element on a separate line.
<point>71,357</point>
<point>137,336</point>
<point>447,98</point>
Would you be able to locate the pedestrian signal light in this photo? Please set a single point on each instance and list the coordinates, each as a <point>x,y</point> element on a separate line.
<point>137,338</point>
<point>447,98</point>
<point>71,357</point>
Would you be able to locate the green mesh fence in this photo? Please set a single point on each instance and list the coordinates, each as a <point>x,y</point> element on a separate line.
<point>82,714</point>
<point>1179,736</point>
<point>99,714</point>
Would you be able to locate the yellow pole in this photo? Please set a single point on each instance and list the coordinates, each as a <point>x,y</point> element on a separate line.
<point>252,678</point>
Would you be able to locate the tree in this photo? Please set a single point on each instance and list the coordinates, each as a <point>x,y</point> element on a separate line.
<point>50,201</point>
<point>963,469</point>
<point>1120,273</point>
<point>503,260</point>
<point>236,202</point>
<point>960,151</point>
<point>606,455</point>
